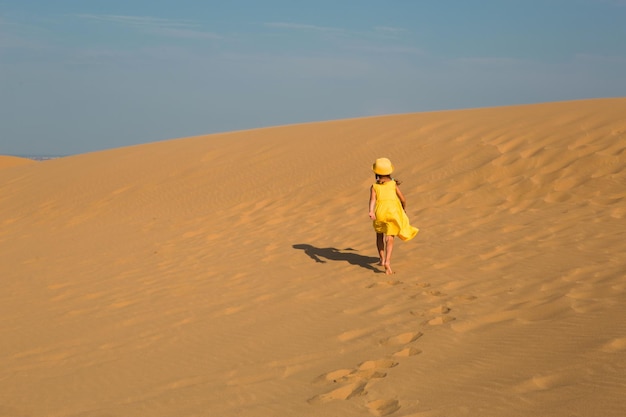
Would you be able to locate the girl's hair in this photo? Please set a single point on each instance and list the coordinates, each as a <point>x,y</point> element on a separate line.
<point>378,177</point>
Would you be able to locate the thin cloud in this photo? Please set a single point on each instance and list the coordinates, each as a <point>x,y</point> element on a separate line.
<point>491,62</point>
<point>378,32</point>
<point>187,33</point>
<point>136,20</point>
<point>300,26</point>
<point>389,49</point>
<point>378,40</point>
<point>390,31</point>
<point>164,27</point>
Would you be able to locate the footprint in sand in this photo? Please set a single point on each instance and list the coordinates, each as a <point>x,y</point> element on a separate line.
<point>434,293</point>
<point>354,380</point>
<point>391,283</point>
<point>390,309</point>
<point>465,298</point>
<point>616,345</point>
<point>373,369</point>
<point>383,407</point>
<point>443,319</point>
<point>333,377</point>
<point>401,339</point>
<point>380,363</point>
<point>407,351</point>
<point>544,382</point>
<point>354,334</point>
<point>341,376</point>
<point>342,393</point>
<point>437,321</point>
<point>442,309</point>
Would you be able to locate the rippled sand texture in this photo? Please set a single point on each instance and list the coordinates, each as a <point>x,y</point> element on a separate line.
<point>234,274</point>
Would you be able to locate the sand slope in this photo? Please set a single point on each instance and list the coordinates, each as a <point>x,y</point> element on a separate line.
<point>11,161</point>
<point>233,274</point>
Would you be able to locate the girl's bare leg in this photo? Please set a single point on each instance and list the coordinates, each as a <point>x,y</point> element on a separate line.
<point>388,250</point>
<point>380,245</point>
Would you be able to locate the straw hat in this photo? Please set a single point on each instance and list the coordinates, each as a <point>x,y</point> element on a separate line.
<point>382,166</point>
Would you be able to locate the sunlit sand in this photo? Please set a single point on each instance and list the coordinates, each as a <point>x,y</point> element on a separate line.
<point>235,274</point>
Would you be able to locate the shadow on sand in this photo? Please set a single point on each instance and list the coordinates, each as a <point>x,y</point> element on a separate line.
<point>333,254</point>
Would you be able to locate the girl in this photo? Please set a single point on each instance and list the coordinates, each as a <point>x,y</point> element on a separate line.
<point>387,205</point>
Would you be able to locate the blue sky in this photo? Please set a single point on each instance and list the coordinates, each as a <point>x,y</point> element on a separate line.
<point>79,76</point>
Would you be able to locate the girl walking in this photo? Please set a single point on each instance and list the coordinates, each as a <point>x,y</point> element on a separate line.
<point>386,209</point>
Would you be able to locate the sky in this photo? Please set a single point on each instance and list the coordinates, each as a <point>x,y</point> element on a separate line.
<point>80,76</point>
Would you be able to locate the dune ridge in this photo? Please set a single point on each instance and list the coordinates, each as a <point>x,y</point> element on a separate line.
<point>233,274</point>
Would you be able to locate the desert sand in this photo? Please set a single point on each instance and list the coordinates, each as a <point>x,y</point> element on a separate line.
<point>11,161</point>
<point>234,274</point>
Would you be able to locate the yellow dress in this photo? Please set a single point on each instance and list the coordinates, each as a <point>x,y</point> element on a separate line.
<point>391,219</point>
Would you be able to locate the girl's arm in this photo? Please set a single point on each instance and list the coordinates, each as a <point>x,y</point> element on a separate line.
<point>372,203</point>
<point>401,197</point>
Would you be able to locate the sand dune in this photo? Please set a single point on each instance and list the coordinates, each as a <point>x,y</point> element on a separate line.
<point>11,161</point>
<point>234,274</point>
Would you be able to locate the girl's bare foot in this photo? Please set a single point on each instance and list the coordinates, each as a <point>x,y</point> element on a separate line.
<point>388,270</point>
